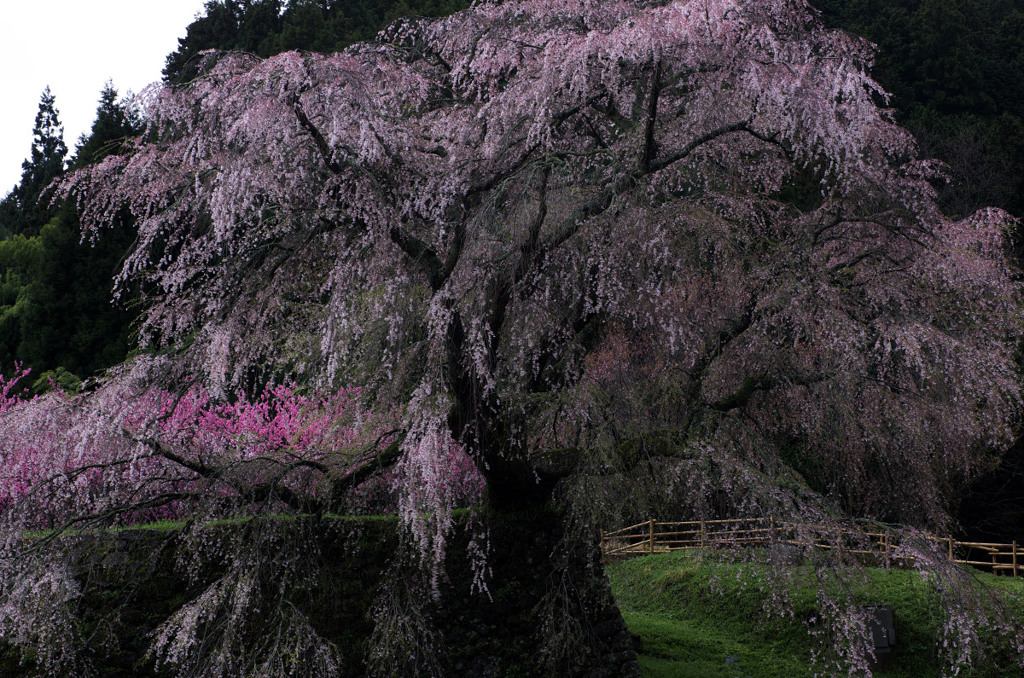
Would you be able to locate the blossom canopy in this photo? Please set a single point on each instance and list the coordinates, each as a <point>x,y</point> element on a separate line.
<point>563,224</point>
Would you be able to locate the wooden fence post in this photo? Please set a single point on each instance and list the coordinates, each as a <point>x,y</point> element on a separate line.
<point>775,532</point>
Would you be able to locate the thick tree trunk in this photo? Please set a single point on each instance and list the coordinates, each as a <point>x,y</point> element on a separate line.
<point>548,609</point>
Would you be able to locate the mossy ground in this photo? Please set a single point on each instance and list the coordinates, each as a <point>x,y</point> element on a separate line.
<point>700,617</point>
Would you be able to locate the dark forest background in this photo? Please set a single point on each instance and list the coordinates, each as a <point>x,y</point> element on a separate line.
<point>955,69</point>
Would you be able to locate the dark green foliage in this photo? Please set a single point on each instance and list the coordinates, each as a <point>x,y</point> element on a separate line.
<point>68,319</point>
<point>993,507</point>
<point>20,265</point>
<point>952,56</point>
<point>956,72</point>
<point>11,218</point>
<point>218,28</point>
<point>56,313</point>
<point>268,27</point>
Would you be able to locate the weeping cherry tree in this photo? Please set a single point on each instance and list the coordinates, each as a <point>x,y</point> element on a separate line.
<point>543,230</point>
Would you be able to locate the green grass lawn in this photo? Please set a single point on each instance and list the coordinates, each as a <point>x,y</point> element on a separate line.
<point>698,617</point>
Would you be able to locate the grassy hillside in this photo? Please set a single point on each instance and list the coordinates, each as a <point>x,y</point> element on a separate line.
<point>701,619</point>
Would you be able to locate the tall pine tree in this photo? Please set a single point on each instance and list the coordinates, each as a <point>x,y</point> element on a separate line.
<point>21,211</point>
<point>116,122</point>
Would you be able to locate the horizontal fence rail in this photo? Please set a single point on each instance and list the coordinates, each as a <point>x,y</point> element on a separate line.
<point>876,543</point>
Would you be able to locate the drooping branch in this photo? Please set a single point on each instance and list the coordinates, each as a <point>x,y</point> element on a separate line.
<point>101,519</point>
<point>233,474</point>
<point>423,256</point>
<point>682,153</point>
<point>326,154</point>
<point>649,148</point>
<point>505,286</point>
<point>418,251</point>
<point>712,350</point>
<point>256,493</point>
<point>759,384</point>
<point>601,202</point>
<point>368,467</point>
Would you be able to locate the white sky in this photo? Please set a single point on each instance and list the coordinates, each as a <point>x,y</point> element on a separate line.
<point>75,46</point>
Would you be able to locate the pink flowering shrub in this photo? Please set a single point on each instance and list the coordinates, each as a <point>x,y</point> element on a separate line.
<point>120,457</point>
<point>9,395</point>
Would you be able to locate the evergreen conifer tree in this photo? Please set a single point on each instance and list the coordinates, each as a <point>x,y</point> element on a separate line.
<point>21,211</point>
<point>115,122</point>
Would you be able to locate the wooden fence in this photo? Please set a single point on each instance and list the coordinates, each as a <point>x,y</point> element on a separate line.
<point>874,542</point>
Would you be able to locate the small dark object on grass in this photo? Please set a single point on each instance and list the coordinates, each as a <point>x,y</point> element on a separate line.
<point>883,634</point>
